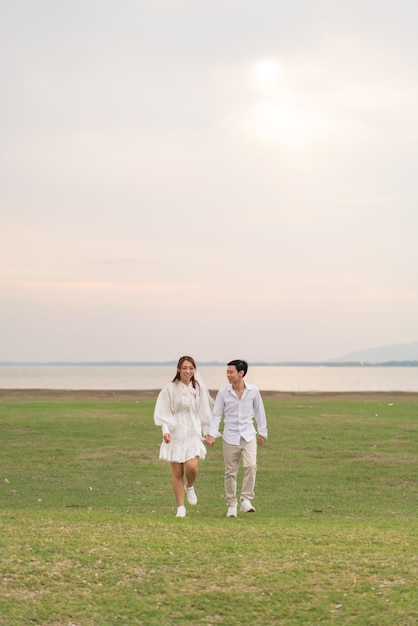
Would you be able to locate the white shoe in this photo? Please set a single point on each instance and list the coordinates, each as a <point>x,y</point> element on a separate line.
<point>181,511</point>
<point>191,495</point>
<point>246,506</point>
<point>232,511</point>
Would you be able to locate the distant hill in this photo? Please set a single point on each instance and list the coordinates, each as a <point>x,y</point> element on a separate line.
<point>382,354</point>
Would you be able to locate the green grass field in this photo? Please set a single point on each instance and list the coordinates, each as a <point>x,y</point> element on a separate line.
<point>89,534</point>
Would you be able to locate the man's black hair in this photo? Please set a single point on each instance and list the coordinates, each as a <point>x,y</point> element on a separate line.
<point>242,366</point>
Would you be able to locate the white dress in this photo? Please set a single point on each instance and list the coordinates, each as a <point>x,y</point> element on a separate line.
<point>185,413</point>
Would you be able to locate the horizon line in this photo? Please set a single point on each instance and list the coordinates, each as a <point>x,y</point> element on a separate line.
<point>300,363</point>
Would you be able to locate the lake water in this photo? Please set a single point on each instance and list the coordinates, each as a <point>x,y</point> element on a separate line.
<point>266,377</point>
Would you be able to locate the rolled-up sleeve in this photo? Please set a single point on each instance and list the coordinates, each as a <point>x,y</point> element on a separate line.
<point>217,413</point>
<point>260,415</point>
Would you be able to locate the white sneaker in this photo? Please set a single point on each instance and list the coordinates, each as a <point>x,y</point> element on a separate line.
<point>191,495</point>
<point>181,511</point>
<point>232,511</point>
<point>246,506</point>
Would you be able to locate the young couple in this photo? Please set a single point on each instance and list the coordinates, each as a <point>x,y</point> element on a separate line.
<point>185,412</point>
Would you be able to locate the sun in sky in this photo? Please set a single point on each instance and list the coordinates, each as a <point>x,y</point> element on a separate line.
<point>280,113</point>
<point>266,74</point>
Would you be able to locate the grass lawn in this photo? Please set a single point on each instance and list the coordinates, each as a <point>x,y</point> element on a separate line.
<point>89,537</point>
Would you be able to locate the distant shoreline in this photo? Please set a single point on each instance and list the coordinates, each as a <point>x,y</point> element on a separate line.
<point>207,364</point>
<point>92,395</point>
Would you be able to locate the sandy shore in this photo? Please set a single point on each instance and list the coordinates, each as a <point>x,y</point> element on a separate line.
<point>89,395</point>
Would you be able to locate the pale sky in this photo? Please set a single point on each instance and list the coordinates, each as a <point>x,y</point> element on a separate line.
<point>226,179</point>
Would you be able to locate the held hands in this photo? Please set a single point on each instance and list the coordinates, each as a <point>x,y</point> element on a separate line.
<point>210,441</point>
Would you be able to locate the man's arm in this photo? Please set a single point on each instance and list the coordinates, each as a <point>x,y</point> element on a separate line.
<point>213,430</point>
<point>260,417</point>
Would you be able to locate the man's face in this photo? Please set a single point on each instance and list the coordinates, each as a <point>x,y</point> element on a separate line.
<point>233,375</point>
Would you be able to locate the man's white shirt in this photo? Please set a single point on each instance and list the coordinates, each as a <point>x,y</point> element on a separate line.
<point>239,414</point>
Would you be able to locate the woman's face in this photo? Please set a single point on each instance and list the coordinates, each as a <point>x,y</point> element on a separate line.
<point>186,372</point>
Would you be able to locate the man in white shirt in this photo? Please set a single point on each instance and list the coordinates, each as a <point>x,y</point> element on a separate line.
<point>240,403</point>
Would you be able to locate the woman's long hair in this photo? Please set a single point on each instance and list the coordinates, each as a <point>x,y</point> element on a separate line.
<point>179,364</point>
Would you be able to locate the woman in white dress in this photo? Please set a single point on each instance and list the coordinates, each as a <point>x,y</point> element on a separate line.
<point>183,410</point>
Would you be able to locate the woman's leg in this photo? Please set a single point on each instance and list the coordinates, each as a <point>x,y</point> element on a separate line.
<point>177,481</point>
<point>192,468</point>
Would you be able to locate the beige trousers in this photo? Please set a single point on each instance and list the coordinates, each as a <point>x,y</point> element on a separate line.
<point>247,450</point>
